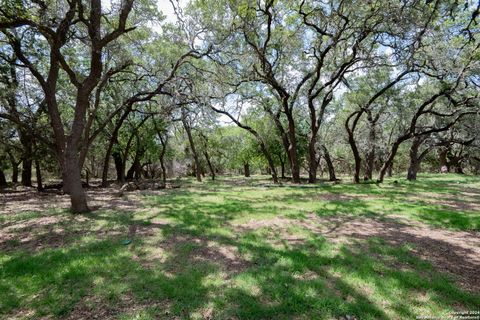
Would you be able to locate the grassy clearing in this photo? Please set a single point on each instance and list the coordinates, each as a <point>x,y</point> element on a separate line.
<point>239,249</point>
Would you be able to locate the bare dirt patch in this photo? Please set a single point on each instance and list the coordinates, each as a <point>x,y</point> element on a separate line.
<point>456,253</point>
<point>465,201</point>
<point>225,256</point>
<point>32,220</point>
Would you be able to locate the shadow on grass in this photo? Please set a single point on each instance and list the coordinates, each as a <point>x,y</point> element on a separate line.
<point>190,276</point>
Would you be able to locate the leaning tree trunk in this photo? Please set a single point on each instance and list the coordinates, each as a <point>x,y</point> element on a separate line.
<point>331,168</point>
<point>389,161</point>
<point>210,165</point>
<point>192,147</point>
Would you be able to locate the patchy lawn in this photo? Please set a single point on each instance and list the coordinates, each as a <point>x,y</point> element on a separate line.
<point>245,249</point>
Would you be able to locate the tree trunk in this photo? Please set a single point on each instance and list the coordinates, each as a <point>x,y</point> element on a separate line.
<point>14,165</point>
<point>135,170</point>
<point>117,159</point>
<point>292,150</point>
<point>283,135</point>
<point>164,171</point>
<point>459,169</point>
<point>246,169</point>
<point>192,146</point>
<point>389,161</point>
<point>164,142</point>
<point>282,167</point>
<point>38,173</point>
<point>331,168</point>
<point>415,158</point>
<point>106,163</point>
<point>456,164</point>
<point>210,165</point>
<point>113,140</point>
<point>390,170</point>
<point>27,143</point>
<point>370,156</point>
<point>15,174</point>
<point>263,147</point>
<point>312,161</point>
<point>413,168</point>
<point>267,155</point>
<point>442,158</point>
<point>27,172</point>
<point>73,182</point>
<point>353,143</point>
<point>3,180</point>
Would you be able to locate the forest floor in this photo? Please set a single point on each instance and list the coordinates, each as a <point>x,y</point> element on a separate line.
<point>242,248</point>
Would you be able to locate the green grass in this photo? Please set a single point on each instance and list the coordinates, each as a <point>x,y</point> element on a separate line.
<point>194,257</point>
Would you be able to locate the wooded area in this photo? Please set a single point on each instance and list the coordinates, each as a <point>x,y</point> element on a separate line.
<point>344,87</point>
<point>102,95</point>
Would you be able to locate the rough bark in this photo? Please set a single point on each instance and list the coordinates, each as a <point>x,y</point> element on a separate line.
<point>78,197</point>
